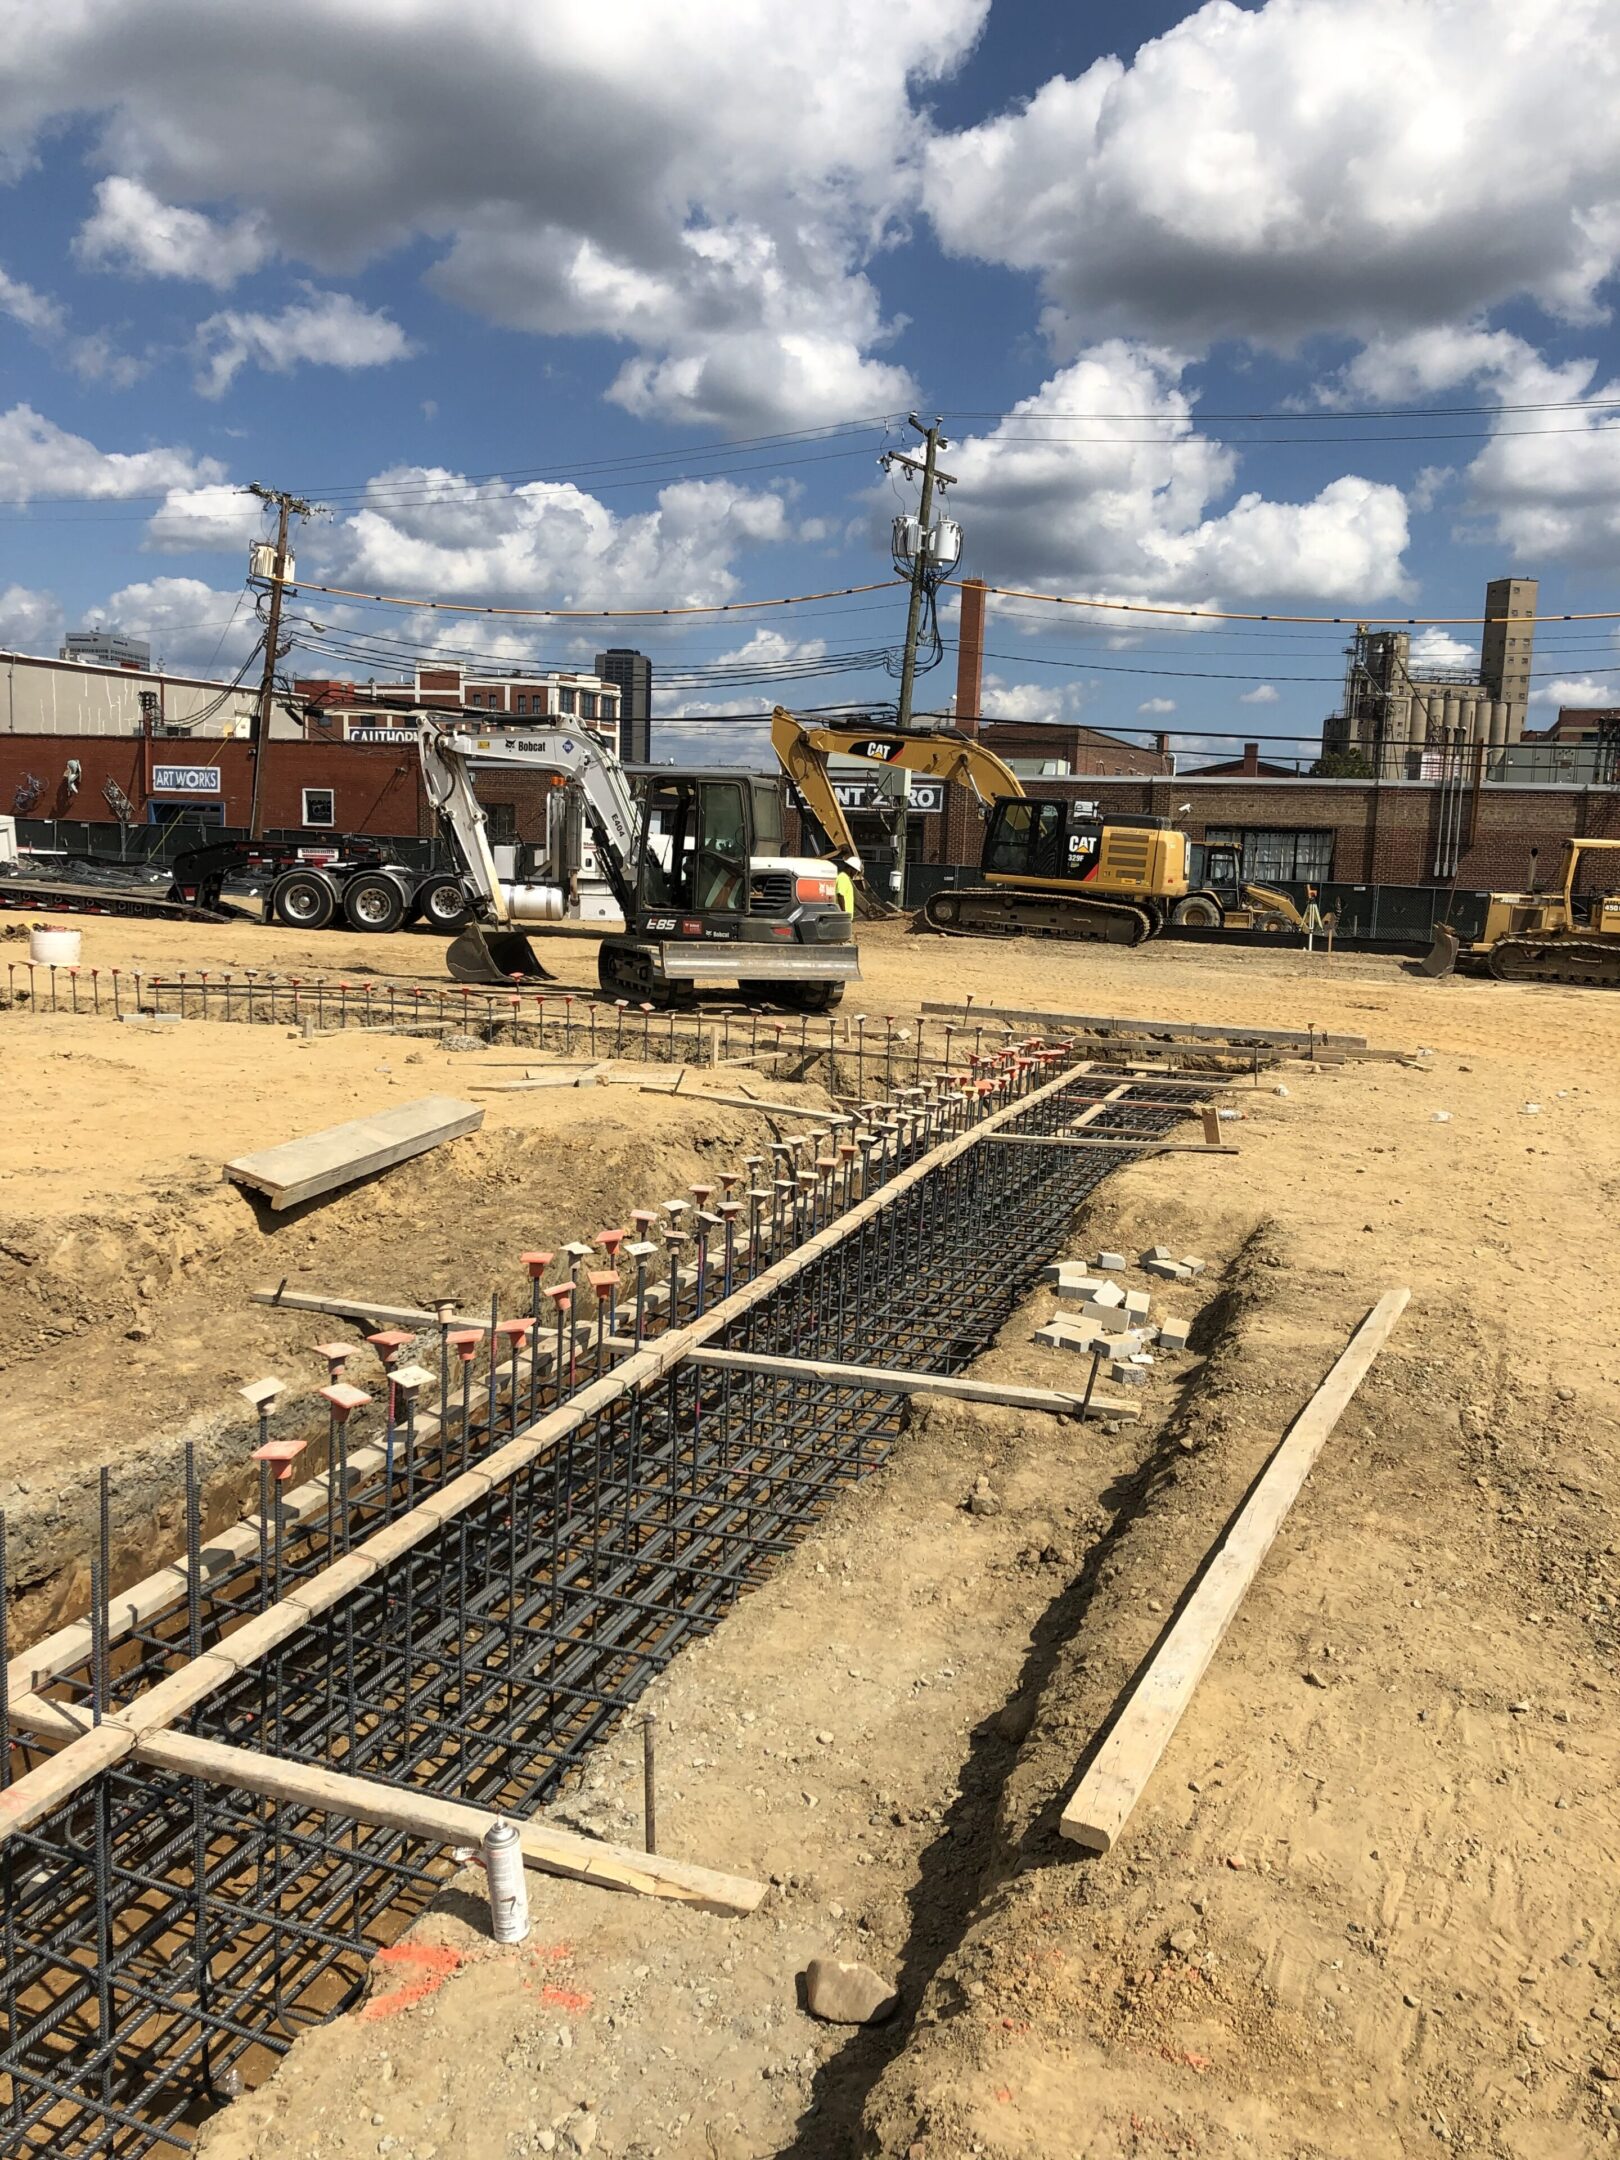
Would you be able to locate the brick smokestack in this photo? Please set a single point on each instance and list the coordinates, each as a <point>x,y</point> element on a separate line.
<point>970,656</point>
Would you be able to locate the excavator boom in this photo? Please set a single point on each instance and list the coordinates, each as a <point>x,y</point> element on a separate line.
<point>938,754</point>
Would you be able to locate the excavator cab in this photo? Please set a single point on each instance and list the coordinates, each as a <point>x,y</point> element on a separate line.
<point>699,843</point>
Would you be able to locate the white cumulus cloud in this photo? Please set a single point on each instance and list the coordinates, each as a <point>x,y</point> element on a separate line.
<point>1262,694</point>
<point>1156,705</point>
<point>703,181</point>
<point>1102,480</point>
<point>133,230</point>
<point>325,329</point>
<point>35,311</point>
<point>30,620</point>
<point>425,530</point>
<point>39,458</point>
<point>1577,690</point>
<point>1002,700</point>
<point>191,626</point>
<point>1270,171</point>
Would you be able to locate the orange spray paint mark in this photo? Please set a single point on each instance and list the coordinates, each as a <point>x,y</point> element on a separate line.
<point>425,1968</point>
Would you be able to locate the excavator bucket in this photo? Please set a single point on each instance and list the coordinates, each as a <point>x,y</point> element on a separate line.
<point>1442,955</point>
<point>482,955</point>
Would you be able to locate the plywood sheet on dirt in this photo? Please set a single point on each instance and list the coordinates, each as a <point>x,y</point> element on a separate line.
<point>322,1162</point>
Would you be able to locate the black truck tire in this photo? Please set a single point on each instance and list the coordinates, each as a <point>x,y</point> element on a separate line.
<point>373,901</point>
<point>442,904</point>
<point>303,899</point>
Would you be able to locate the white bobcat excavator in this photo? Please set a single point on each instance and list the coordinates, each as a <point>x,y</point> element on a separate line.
<point>700,905</point>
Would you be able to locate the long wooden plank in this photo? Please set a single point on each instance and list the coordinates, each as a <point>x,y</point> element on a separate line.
<point>771,1109</point>
<point>886,1380</point>
<point>419,1814</point>
<point>1102,1801</point>
<point>182,1690</point>
<point>343,1307</point>
<point>1144,1146</point>
<point>1193,1030</point>
<point>300,1170</point>
<point>449,1822</point>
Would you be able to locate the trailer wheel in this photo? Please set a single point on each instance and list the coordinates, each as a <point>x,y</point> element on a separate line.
<point>443,905</point>
<point>303,900</point>
<point>373,901</point>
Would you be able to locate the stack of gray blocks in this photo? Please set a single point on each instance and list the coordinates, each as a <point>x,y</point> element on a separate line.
<point>1113,1319</point>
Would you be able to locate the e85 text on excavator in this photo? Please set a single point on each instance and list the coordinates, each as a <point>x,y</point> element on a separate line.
<point>702,904</point>
<point>1049,869</point>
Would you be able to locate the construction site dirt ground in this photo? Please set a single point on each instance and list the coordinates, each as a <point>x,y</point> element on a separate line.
<point>1366,1906</point>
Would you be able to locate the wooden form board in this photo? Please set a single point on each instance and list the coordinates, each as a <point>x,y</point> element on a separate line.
<point>169,1699</point>
<point>419,1814</point>
<point>1145,1146</point>
<point>1101,1803</point>
<point>1193,1030</point>
<point>300,1170</point>
<point>885,1380</point>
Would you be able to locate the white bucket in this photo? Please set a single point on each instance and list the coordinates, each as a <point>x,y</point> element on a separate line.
<point>54,948</point>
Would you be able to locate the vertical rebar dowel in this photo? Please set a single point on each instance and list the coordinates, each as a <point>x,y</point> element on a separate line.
<point>264,1522</point>
<point>193,1555</point>
<point>100,1594</point>
<point>649,1796</point>
<point>1091,1379</point>
<point>494,1362</point>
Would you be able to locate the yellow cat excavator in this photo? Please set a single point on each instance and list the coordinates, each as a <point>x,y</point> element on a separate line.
<point>1542,937</point>
<point>1050,869</point>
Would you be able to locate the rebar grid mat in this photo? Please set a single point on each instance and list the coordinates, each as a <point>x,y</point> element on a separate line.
<point>164,1938</point>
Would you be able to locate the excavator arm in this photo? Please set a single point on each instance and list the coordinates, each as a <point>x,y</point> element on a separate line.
<point>940,754</point>
<point>492,948</point>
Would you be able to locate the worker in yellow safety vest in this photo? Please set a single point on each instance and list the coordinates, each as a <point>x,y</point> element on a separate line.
<point>846,893</point>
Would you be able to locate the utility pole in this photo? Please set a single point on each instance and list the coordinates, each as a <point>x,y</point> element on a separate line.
<point>288,507</point>
<point>921,561</point>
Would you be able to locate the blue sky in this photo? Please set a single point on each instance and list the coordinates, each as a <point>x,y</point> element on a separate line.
<point>1294,308</point>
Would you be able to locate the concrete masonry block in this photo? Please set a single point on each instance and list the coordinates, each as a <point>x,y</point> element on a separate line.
<point>1173,1334</point>
<point>1157,1252</point>
<point>1193,1267</point>
<point>1108,1293</point>
<point>1128,1375</point>
<point>1112,1262</point>
<point>1137,1305</point>
<point>1077,1291</point>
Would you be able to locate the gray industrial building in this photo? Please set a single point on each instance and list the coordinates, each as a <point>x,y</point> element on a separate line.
<point>1391,707</point>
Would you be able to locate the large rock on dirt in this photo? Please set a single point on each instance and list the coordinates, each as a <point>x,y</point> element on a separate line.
<point>846,1994</point>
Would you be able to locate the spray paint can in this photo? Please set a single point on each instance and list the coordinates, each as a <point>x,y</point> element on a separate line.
<point>508,1892</point>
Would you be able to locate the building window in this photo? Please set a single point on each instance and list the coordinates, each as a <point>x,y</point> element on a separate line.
<point>1278,857</point>
<point>539,704</point>
<point>501,819</point>
<point>565,701</point>
<point>319,806</point>
<point>523,705</point>
<point>587,704</point>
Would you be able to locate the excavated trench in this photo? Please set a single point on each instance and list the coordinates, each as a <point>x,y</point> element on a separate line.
<point>164,1938</point>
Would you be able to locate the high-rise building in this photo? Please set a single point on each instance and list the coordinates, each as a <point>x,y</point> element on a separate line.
<point>632,671</point>
<point>1508,647</point>
<point>106,648</point>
